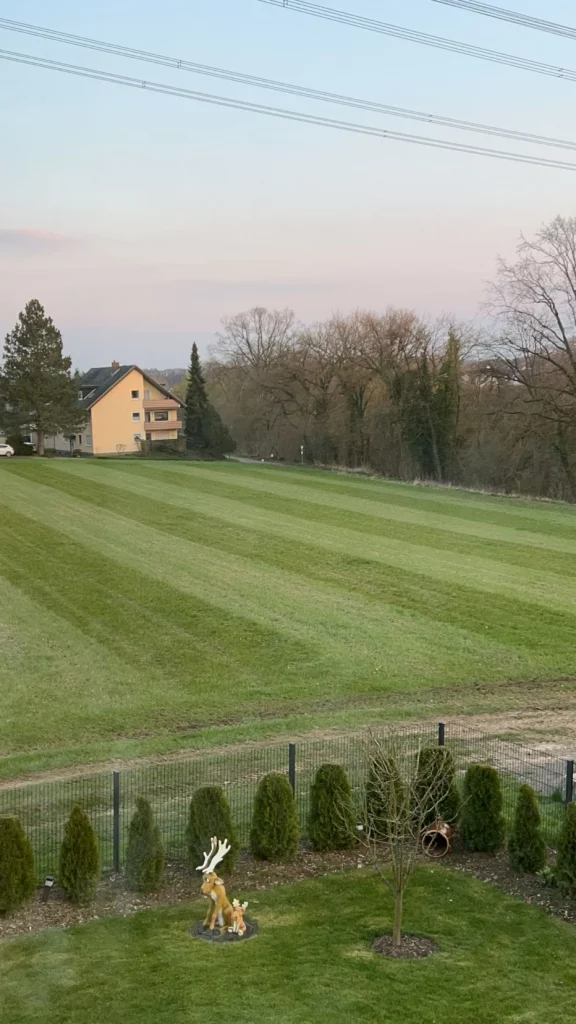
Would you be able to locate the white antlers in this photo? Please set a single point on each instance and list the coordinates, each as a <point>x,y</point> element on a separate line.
<point>214,856</point>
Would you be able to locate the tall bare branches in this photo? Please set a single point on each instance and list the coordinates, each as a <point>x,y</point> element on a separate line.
<point>398,802</point>
<point>534,301</point>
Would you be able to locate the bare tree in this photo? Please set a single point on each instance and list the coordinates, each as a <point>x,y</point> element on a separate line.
<point>256,339</point>
<point>355,382</point>
<point>399,801</point>
<point>534,300</point>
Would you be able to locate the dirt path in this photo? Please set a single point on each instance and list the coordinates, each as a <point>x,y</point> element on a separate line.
<point>546,730</point>
<point>551,731</point>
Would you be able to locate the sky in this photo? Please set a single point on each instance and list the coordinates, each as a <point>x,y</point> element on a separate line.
<point>140,220</point>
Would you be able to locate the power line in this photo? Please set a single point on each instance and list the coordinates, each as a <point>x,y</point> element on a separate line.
<point>513,16</point>
<point>54,35</point>
<point>288,115</point>
<point>411,35</point>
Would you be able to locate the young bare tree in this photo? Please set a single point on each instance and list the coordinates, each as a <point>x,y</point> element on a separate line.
<point>399,802</point>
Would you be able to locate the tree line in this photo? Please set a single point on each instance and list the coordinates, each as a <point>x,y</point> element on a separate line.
<point>492,408</point>
<point>390,392</point>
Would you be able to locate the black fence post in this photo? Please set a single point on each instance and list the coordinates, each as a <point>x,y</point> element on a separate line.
<point>292,766</point>
<point>569,791</point>
<point>116,822</point>
<point>441,734</point>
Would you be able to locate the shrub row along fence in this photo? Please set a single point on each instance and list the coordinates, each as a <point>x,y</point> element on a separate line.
<point>109,798</point>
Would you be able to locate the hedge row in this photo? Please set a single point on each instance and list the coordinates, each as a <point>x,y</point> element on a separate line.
<point>275,831</point>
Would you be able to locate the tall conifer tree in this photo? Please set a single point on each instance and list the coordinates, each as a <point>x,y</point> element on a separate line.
<point>35,381</point>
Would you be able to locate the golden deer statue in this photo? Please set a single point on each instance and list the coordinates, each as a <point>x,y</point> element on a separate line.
<point>239,925</point>
<point>220,912</point>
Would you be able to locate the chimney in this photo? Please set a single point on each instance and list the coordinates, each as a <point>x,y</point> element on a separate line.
<point>115,366</point>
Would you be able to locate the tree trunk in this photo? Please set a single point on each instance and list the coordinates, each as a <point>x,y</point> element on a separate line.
<point>564,459</point>
<point>40,442</point>
<point>434,445</point>
<point>397,933</point>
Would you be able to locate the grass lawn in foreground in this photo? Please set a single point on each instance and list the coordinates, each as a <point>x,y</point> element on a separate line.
<point>147,600</point>
<point>500,962</point>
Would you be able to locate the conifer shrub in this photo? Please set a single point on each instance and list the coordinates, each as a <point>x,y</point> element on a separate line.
<point>79,867</point>
<point>209,816</point>
<point>385,799</point>
<point>17,879</point>
<point>566,859</point>
<point>331,821</point>
<point>482,822</point>
<point>527,847</point>
<point>435,791</point>
<point>144,852</point>
<point>275,828</point>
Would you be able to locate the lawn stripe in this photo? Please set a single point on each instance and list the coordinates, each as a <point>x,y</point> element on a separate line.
<point>504,620</point>
<point>557,556</point>
<point>521,512</point>
<point>534,586</point>
<point>383,642</point>
<point>382,510</point>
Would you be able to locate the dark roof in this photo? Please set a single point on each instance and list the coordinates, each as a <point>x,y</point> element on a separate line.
<point>100,379</point>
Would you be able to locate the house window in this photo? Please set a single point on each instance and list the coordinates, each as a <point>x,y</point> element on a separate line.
<point>147,417</point>
<point>137,437</point>
<point>161,415</point>
<point>136,416</point>
<point>80,396</point>
<point>146,394</point>
<point>88,441</point>
<point>79,438</point>
<point>135,394</point>
<point>148,437</point>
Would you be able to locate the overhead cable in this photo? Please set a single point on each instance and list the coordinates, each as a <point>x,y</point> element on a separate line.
<point>289,115</point>
<point>502,14</point>
<point>413,36</point>
<point>55,35</point>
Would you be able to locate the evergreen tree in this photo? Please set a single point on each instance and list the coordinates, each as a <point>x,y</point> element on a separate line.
<point>482,823</point>
<point>331,822</point>
<point>145,852</point>
<point>196,403</point>
<point>435,791</point>
<point>205,430</point>
<point>566,859</point>
<point>527,847</point>
<point>35,381</point>
<point>79,867</point>
<point>275,828</point>
<point>427,397</point>
<point>209,816</point>
<point>447,404</point>
<point>385,798</point>
<point>17,881</point>
<point>218,438</point>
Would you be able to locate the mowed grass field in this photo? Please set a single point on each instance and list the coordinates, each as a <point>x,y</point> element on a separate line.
<point>151,605</point>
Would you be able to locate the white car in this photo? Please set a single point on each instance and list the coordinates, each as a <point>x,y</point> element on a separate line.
<point>7,450</point>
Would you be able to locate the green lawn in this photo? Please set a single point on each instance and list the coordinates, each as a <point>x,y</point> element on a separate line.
<point>499,962</point>
<point>143,602</point>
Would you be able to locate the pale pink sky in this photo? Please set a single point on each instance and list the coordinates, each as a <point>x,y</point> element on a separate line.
<point>140,220</point>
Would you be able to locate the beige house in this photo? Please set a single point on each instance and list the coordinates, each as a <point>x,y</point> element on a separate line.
<point>124,406</point>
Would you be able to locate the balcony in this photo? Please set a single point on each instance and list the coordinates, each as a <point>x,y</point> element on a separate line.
<point>157,404</point>
<point>163,425</point>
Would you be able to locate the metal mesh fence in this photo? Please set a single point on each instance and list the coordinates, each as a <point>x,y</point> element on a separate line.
<point>43,807</point>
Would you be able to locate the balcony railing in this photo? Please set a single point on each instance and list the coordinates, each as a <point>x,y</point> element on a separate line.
<point>163,425</point>
<point>151,404</point>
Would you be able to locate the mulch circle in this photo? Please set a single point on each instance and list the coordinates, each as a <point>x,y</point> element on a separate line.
<point>414,947</point>
<point>220,936</point>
